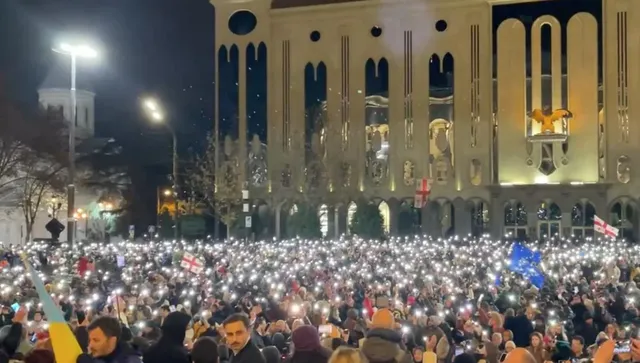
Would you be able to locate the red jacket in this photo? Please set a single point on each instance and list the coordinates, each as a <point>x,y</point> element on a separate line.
<point>82,265</point>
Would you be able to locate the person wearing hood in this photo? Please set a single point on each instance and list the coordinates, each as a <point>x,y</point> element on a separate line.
<point>307,346</point>
<point>105,345</point>
<point>383,343</point>
<point>170,347</point>
<point>238,336</point>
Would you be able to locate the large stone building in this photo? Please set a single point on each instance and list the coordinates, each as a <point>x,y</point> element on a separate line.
<point>520,140</point>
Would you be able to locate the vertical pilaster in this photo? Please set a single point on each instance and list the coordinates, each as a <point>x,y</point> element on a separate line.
<point>333,113</point>
<point>357,93</point>
<point>296,94</point>
<point>242,111</point>
<point>396,119</point>
<point>615,21</point>
<point>421,115</point>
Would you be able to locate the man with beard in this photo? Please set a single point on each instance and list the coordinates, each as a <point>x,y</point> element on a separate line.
<point>105,345</point>
<point>170,347</point>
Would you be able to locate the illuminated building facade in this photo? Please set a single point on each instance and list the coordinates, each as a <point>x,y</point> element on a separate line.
<point>516,139</point>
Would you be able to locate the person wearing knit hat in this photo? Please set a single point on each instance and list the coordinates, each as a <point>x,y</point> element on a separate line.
<point>383,343</point>
<point>383,319</point>
<point>307,346</point>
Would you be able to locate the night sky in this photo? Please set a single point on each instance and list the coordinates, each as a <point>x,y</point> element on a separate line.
<point>162,48</point>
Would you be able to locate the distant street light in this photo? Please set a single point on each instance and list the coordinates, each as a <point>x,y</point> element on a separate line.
<point>75,52</point>
<point>154,110</point>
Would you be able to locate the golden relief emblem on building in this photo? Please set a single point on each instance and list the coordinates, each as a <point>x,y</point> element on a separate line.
<point>547,146</point>
<point>547,121</point>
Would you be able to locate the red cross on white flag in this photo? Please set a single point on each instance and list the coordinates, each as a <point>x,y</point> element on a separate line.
<point>603,227</point>
<point>191,263</point>
<point>423,188</point>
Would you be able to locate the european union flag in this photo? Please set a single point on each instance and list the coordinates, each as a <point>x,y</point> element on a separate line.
<point>525,262</point>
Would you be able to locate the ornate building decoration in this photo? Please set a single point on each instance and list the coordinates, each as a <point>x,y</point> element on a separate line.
<point>547,149</point>
<point>345,174</point>
<point>376,157</point>
<point>258,162</point>
<point>623,169</point>
<point>441,136</point>
<point>315,175</point>
<point>285,176</point>
<point>475,172</point>
<point>408,173</point>
<point>230,168</point>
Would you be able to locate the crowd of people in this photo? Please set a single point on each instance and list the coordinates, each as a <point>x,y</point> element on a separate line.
<point>346,300</point>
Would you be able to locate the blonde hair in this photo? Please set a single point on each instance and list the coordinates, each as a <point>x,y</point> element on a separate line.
<point>347,355</point>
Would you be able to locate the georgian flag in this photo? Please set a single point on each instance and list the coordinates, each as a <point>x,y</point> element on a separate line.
<point>603,227</point>
<point>191,263</point>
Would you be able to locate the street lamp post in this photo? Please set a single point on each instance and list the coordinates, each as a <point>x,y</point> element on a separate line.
<point>157,116</point>
<point>73,51</point>
<point>165,193</point>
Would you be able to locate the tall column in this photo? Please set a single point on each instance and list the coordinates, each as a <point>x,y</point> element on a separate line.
<point>356,111</point>
<point>462,215</point>
<point>334,120</point>
<point>620,34</point>
<point>496,218</point>
<point>396,121</point>
<point>296,95</point>
<point>242,111</point>
<point>421,118</point>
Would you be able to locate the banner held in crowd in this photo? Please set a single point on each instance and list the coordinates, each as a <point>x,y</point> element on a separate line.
<point>65,346</point>
<point>600,226</point>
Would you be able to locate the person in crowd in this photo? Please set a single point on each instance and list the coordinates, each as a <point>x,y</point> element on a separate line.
<point>347,355</point>
<point>271,354</point>
<point>165,310</point>
<point>40,356</point>
<point>205,350</point>
<point>171,346</point>
<point>307,347</point>
<point>104,342</point>
<point>578,347</point>
<point>536,348</point>
<point>383,343</point>
<point>437,342</point>
<point>237,330</point>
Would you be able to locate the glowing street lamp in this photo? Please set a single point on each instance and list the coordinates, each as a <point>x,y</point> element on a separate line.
<point>154,110</point>
<point>74,51</point>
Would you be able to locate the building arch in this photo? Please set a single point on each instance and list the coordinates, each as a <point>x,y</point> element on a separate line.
<point>351,210</point>
<point>480,212</point>
<point>385,211</point>
<point>446,217</point>
<point>582,214</point>
<point>623,215</point>
<point>549,219</point>
<point>323,216</point>
<point>515,220</point>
